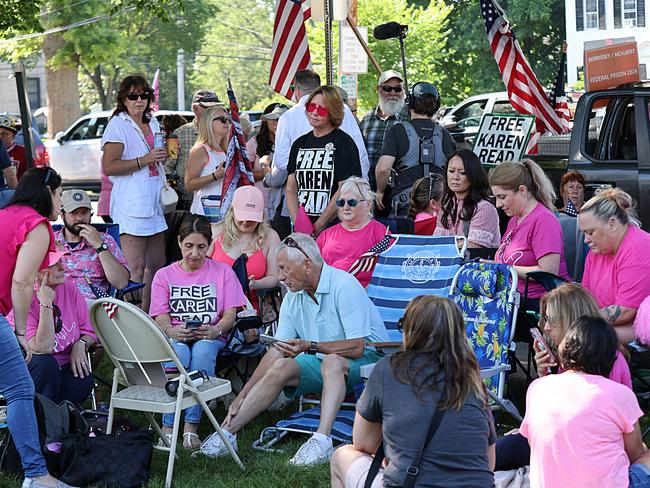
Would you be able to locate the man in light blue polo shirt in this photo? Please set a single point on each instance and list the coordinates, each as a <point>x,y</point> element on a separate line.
<point>326,319</point>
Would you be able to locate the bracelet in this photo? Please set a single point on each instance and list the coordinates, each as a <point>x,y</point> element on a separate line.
<point>46,306</point>
<point>137,160</point>
<point>214,177</point>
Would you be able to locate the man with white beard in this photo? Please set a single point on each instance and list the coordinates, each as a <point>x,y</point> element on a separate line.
<point>376,122</point>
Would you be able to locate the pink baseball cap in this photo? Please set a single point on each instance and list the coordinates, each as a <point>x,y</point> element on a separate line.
<point>54,257</point>
<point>248,204</point>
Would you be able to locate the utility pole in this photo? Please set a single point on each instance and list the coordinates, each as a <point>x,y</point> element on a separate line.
<point>25,114</point>
<point>180,79</point>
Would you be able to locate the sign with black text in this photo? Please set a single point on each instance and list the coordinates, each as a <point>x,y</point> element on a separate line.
<point>502,137</point>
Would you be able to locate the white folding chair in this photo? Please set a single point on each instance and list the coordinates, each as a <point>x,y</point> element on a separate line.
<point>138,349</point>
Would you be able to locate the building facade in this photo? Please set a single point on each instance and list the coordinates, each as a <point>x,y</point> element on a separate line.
<point>36,88</point>
<point>594,20</point>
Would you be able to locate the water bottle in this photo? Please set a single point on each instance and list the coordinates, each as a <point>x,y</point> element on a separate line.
<point>197,377</point>
<point>158,140</point>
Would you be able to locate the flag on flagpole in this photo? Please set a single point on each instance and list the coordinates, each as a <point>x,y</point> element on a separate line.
<point>239,169</point>
<point>524,90</point>
<point>290,46</point>
<point>558,98</point>
<point>155,105</point>
<point>367,260</point>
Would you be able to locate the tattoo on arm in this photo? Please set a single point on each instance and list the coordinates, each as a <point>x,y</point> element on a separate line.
<point>612,313</point>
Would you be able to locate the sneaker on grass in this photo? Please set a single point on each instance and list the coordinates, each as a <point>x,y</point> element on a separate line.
<point>314,451</point>
<point>213,446</point>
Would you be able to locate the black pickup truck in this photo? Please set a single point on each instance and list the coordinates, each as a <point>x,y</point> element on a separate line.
<point>609,144</point>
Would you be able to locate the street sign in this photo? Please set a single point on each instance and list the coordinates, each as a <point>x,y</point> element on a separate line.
<point>352,57</point>
<point>502,137</point>
<point>349,82</point>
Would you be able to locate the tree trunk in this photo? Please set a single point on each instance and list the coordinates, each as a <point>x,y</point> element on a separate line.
<point>62,88</point>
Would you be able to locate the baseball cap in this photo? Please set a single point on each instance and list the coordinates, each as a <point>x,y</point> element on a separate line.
<point>387,75</point>
<point>9,122</point>
<point>54,257</point>
<point>206,98</point>
<point>73,199</point>
<point>248,204</point>
<point>276,113</point>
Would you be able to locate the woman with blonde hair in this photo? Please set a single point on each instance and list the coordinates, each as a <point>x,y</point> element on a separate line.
<point>617,267</point>
<point>244,231</point>
<point>533,238</point>
<point>435,374</point>
<point>207,160</point>
<point>342,244</point>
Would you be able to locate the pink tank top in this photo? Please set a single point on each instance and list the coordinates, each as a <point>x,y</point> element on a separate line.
<point>256,264</point>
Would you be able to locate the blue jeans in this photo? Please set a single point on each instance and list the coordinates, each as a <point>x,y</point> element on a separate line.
<point>639,476</point>
<point>199,355</point>
<point>58,383</point>
<point>18,389</point>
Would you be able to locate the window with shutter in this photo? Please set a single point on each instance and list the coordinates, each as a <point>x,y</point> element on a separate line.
<point>580,25</point>
<point>640,13</point>
<point>601,15</point>
<point>617,14</point>
<point>591,14</point>
<point>629,13</point>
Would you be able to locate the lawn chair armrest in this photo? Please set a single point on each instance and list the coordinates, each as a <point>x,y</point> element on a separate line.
<point>489,372</point>
<point>130,288</point>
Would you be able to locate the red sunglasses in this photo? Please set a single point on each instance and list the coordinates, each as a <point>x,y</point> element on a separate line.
<point>320,110</point>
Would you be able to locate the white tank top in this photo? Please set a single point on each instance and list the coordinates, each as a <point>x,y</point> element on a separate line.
<point>215,160</point>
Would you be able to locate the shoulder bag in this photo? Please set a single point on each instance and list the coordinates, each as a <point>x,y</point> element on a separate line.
<point>168,197</point>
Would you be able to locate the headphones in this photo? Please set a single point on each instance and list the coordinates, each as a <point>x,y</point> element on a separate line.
<point>420,90</point>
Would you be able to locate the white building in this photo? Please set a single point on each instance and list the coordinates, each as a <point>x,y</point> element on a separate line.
<point>593,20</point>
<point>35,87</point>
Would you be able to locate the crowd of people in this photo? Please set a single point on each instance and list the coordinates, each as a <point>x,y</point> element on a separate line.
<point>327,188</point>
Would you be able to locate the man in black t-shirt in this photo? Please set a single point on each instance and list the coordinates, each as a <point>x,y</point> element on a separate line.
<point>413,149</point>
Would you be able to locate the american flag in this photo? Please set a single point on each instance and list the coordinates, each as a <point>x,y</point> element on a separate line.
<point>239,169</point>
<point>367,260</point>
<point>558,98</point>
<point>570,209</point>
<point>290,46</point>
<point>109,308</point>
<point>524,90</point>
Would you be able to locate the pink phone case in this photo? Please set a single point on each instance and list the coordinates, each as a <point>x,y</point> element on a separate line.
<point>537,335</point>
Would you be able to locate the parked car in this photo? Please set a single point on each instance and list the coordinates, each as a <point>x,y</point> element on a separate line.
<point>464,119</point>
<point>76,153</point>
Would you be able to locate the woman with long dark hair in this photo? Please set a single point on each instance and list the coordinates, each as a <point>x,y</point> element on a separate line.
<point>27,239</point>
<point>466,207</point>
<point>435,370</point>
<point>135,168</point>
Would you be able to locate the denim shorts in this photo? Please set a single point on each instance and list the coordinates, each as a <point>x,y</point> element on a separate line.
<point>639,476</point>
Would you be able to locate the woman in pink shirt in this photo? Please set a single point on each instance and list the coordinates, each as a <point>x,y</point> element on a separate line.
<point>342,244</point>
<point>583,428</point>
<point>194,302</point>
<point>617,268</point>
<point>466,208</point>
<point>533,238</point>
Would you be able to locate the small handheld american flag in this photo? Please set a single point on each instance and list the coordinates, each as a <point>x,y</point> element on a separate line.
<point>109,308</point>
<point>367,260</point>
<point>570,209</point>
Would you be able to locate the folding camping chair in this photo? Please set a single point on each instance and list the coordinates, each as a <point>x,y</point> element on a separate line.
<point>411,266</point>
<point>139,350</point>
<point>487,295</point>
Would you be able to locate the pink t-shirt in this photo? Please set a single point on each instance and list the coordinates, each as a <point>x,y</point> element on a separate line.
<point>74,318</point>
<point>575,424</point>
<point>202,295</point>
<point>340,247</point>
<point>524,244</point>
<point>620,372</point>
<point>624,278</point>
<point>483,228</point>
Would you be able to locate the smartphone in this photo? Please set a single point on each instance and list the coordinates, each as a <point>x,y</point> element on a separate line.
<point>193,324</point>
<point>267,339</point>
<point>537,335</point>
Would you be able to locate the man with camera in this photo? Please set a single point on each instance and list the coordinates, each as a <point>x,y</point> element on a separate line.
<point>412,149</point>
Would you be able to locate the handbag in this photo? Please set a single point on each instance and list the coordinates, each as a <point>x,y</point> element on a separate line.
<point>120,460</point>
<point>168,197</point>
<point>413,470</point>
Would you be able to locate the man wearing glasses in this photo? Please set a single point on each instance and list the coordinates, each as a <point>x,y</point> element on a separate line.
<point>326,320</point>
<point>93,256</point>
<point>390,110</point>
<point>187,135</point>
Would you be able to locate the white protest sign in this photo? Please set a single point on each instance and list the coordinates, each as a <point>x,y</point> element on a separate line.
<point>502,137</point>
<point>352,56</point>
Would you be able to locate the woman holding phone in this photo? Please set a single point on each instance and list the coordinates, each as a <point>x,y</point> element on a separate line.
<point>206,162</point>
<point>194,302</point>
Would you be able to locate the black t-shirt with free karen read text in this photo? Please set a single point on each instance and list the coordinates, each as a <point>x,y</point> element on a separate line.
<point>319,164</point>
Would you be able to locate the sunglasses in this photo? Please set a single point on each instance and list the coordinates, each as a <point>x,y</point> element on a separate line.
<point>291,242</point>
<point>352,202</point>
<point>388,89</point>
<point>321,111</point>
<point>400,324</point>
<point>142,96</point>
<point>58,323</point>
<point>48,174</point>
<point>223,119</point>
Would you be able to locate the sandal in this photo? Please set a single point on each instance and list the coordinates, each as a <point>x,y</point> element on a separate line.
<point>191,441</point>
<point>161,443</point>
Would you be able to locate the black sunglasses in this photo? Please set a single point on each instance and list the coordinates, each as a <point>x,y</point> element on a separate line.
<point>222,118</point>
<point>142,96</point>
<point>58,323</point>
<point>48,174</point>
<point>291,242</point>
<point>388,89</point>
<point>353,202</point>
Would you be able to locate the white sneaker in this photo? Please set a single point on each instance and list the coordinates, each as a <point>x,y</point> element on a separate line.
<point>213,446</point>
<point>312,452</point>
<point>34,483</point>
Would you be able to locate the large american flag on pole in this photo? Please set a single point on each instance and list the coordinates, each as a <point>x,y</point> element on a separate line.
<point>524,90</point>
<point>239,169</point>
<point>367,260</point>
<point>290,47</point>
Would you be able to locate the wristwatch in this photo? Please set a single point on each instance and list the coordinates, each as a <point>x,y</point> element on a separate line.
<point>103,247</point>
<point>313,348</point>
